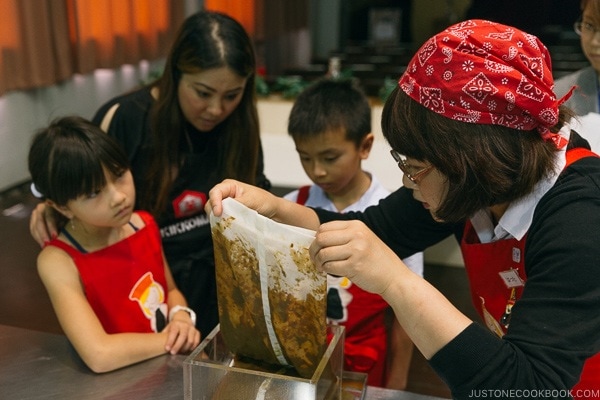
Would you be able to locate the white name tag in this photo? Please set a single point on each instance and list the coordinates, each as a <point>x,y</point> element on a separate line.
<point>511,278</point>
<point>516,254</point>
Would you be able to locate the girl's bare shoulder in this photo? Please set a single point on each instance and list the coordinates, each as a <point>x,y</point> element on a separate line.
<point>55,264</point>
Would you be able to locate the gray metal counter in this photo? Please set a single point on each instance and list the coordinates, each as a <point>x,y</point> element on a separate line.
<point>38,365</point>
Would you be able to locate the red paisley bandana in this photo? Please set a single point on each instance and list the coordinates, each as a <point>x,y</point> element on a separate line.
<point>483,72</point>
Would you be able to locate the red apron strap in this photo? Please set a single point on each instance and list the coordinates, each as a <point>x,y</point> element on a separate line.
<point>303,194</point>
<point>579,153</point>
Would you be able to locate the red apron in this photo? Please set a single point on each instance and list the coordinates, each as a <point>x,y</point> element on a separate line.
<point>497,276</point>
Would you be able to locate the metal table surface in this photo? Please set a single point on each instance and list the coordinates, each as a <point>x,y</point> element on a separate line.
<point>39,365</point>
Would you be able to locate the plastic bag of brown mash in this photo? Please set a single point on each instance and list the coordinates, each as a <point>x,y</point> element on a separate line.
<point>272,299</point>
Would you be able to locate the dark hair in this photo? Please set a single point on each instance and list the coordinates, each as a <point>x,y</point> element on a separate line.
<point>206,40</point>
<point>484,164</point>
<point>328,105</point>
<point>67,158</point>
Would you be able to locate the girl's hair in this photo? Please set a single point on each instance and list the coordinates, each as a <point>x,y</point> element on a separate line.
<point>484,164</point>
<point>331,105</point>
<point>67,158</point>
<point>205,41</point>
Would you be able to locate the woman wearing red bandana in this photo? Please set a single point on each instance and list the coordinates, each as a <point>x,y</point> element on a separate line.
<point>488,156</point>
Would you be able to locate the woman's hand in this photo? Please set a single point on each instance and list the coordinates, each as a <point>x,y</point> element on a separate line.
<point>251,196</point>
<point>350,249</point>
<point>263,202</point>
<point>182,335</point>
<point>42,225</point>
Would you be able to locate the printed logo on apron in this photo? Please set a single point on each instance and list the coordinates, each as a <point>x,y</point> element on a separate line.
<point>188,203</point>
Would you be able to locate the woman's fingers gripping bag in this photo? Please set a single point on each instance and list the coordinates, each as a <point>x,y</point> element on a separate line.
<point>272,299</point>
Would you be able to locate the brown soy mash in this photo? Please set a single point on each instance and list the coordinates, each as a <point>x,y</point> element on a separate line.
<point>272,300</point>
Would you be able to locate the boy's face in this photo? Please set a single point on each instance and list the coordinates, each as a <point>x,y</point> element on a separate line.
<point>332,161</point>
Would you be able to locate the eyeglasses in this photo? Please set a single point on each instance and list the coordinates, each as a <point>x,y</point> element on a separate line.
<point>585,29</point>
<point>405,168</point>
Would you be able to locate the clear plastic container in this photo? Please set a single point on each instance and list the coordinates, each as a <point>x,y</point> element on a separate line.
<point>211,371</point>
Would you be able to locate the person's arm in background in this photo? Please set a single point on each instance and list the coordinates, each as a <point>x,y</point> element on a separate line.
<point>399,355</point>
<point>42,224</point>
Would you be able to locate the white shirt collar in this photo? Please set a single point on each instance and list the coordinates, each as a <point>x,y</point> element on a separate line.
<point>518,216</point>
